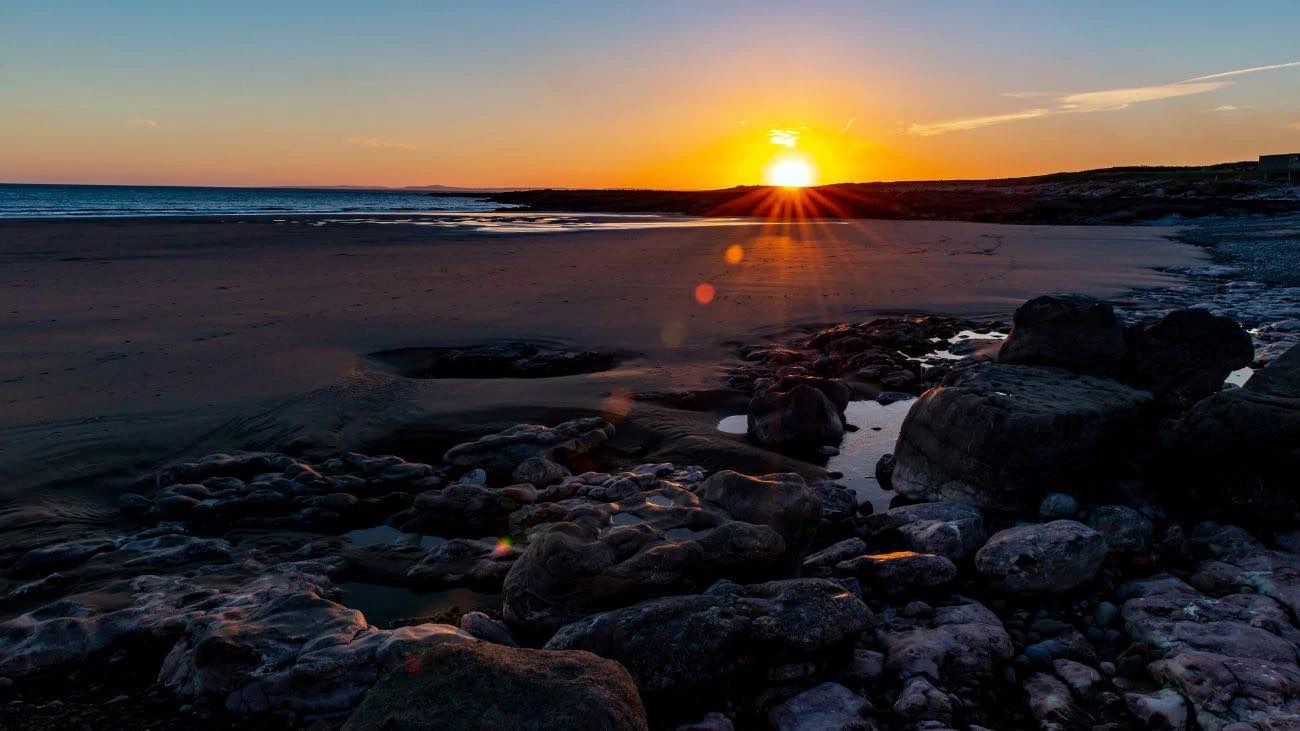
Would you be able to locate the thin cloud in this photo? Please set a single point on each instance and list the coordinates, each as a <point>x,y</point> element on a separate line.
<point>961,125</point>
<point>785,137</point>
<point>141,122</point>
<point>381,143</point>
<point>1097,101</point>
<point>1239,72</point>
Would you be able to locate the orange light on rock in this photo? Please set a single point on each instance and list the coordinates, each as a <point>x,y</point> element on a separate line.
<point>735,253</point>
<point>704,293</point>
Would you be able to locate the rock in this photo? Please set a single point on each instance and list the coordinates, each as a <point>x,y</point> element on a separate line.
<point>1171,617</point>
<point>270,643</point>
<point>900,572</point>
<point>1058,505</point>
<point>920,700</point>
<point>994,435</point>
<point>284,648</point>
<point>684,643</point>
<point>952,530</point>
<point>1237,453</point>
<point>837,393</point>
<point>1048,557</point>
<point>539,471</point>
<point>504,451</point>
<point>828,706</point>
<point>782,502</point>
<point>1125,529</point>
<point>481,685</point>
<point>1083,680</point>
<point>1051,703</point>
<point>1185,357</point>
<point>1105,614</point>
<point>465,510</point>
<point>801,416</point>
<point>839,503</point>
<point>957,652</point>
<point>822,563</point>
<point>1223,689</point>
<point>487,629</point>
<point>42,561</point>
<point>1070,331</point>
<point>465,562</point>
<point>1163,709</point>
<point>594,556</point>
<point>1280,378</point>
<point>885,471</point>
<point>173,550</point>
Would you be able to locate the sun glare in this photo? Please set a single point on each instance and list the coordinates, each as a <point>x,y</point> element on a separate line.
<point>790,172</point>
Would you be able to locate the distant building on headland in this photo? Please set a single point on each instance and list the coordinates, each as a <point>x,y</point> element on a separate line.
<point>1280,164</point>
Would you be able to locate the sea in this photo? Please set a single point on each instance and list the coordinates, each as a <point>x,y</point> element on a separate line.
<point>75,201</point>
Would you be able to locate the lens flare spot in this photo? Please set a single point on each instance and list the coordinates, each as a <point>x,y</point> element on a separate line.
<point>704,293</point>
<point>673,334</point>
<point>735,253</point>
<point>504,544</point>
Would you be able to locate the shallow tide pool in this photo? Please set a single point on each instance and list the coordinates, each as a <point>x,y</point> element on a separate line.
<point>878,427</point>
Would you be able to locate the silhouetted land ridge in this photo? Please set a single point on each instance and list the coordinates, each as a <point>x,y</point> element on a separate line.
<point>1106,196</point>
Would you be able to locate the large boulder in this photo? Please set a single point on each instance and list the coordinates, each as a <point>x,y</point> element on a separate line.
<point>1039,558</point>
<point>1185,357</point>
<point>591,557</point>
<point>1071,331</point>
<point>687,644</point>
<point>999,436</point>
<point>799,417</point>
<point>781,501</point>
<point>1238,452</point>
<point>481,685</point>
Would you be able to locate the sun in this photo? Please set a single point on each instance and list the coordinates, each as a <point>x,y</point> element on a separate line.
<point>790,172</point>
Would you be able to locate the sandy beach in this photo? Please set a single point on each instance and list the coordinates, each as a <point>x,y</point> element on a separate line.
<point>131,342</point>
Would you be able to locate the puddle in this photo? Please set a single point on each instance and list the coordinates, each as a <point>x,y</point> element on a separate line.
<point>383,535</point>
<point>878,427</point>
<point>395,606</point>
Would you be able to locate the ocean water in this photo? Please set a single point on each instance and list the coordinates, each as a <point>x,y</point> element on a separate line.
<point>67,201</point>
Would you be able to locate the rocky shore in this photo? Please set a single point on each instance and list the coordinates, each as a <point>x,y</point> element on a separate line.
<point>1090,529</point>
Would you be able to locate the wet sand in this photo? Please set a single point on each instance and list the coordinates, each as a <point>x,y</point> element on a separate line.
<point>132,341</point>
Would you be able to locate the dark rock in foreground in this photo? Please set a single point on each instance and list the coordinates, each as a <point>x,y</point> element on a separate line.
<point>480,686</point>
<point>1239,450</point>
<point>999,436</point>
<point>1075,332</point>
<point>1048,557</point>
<point>683,644</point>
<point>801,416</point>
<point>1185,357</point>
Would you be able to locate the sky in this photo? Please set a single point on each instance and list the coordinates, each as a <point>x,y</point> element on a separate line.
<point>592,93</point>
